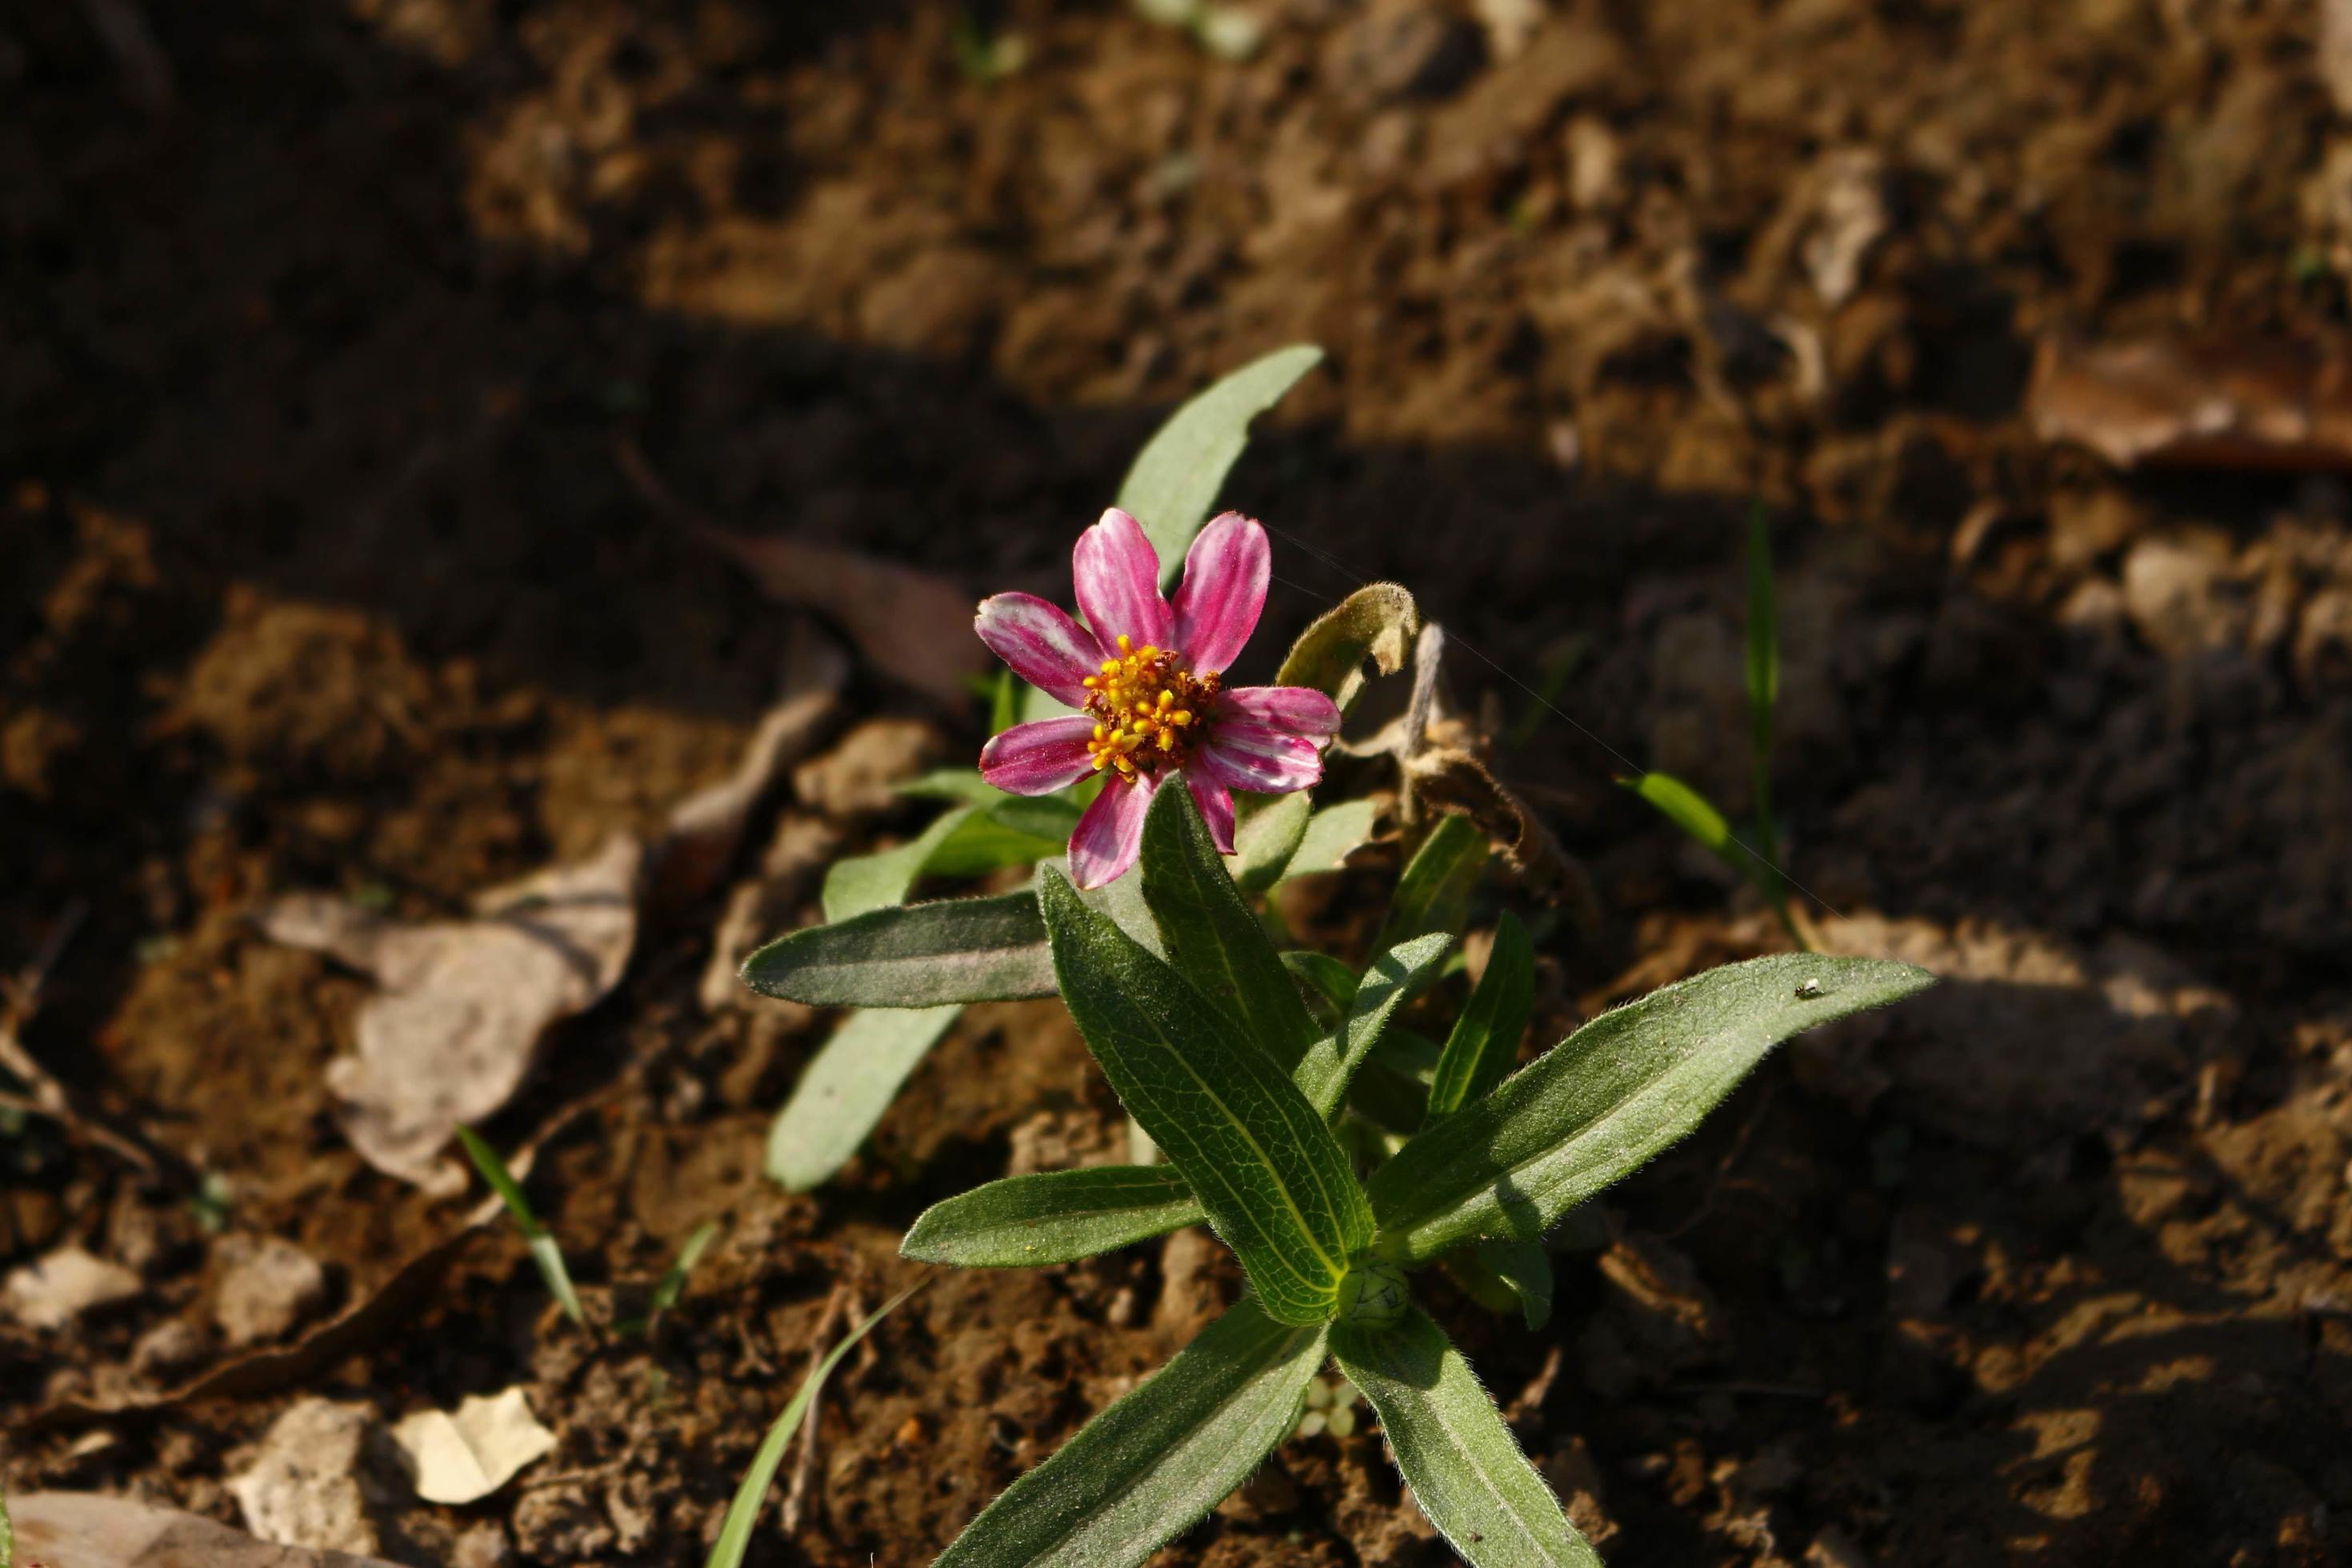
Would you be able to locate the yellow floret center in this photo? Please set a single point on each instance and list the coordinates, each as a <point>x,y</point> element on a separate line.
<point>1148,708</point>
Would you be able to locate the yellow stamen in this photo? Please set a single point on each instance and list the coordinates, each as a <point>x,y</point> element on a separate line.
<point>1124,644</point>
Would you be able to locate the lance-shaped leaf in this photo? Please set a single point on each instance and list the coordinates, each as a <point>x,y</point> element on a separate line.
<point>1603,1101</point>
<point>1433,893</point>
<point>1323,1073</point>
<point>1144,1471</point>
<point>1484,1044</point>
<point>1213,938</point>
<point>1275,1182</point>
<point>847,1086</point>
<point>1377,622</point>
<point>1332,834</point>
<point>969,841</point>
<point>1525,1268</point>
<point>1267,831</point>
<point>856,884</point>
<point>1690,811</point>
<point>924,955</point>
<point>1330,980</point>
<point>1053,1217</point>
<point>1466,1472</point>
<point>1176,477</point>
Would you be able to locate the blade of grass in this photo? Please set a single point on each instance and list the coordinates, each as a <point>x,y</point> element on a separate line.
<point>743,1513</point>
<point>543,1251</point>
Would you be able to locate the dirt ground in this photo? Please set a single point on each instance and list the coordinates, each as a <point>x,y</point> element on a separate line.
<point>320,571</point>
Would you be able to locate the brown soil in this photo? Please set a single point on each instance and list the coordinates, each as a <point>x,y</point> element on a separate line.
<point>320,573</point>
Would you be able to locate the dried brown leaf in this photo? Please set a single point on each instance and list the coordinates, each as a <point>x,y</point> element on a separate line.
<point>80,1529</point>
<point>2237,404</point>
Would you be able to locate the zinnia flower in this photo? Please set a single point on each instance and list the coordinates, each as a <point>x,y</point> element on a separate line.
<point>1150,678</point>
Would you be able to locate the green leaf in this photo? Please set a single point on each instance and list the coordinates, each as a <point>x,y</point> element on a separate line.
<point>856,884</point>
<point>1213,938</point>
<point>1466,1472</point>
<point>1690,811</point>
<point>7,1535</point>
<point>1601,1102</point>
<point>1525,1268</point>
<point>1143,1472</point>
<point>743,1513</point>
<point>1377,622</point>
<point>1053,1217</point>
<point>543,1251</point>
<point>1332,834</point>
<point>961,785</point>
<point>1275,1182</point>
<point>1329,978</point>
<point>1004,702</point>
<point>1433,893</point>
<point>847,1086</point>
<point>1267,831</point>
<point>673,1280</point>
<point>1176,477</point>
<point>1323,1073</point>
<point>968,841</point>
<point>924,955</point>
<point>1484,1044</point>
<point>1391,1100</point>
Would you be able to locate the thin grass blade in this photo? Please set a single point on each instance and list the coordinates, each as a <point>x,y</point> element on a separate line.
<point>743,1513</point>
<point>544,1252</point>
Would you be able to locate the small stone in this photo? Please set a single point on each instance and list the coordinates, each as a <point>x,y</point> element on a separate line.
<point>169,1350</point>
<point>483,1546</point>
<point>2174,592</point>
<point>1190,1293</point>
<point>268,1287</point>
<point>53,1291</point>
<point>302,1488</point>
<point>858,776</point>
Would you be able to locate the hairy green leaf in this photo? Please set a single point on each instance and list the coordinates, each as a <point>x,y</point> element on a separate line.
<point>1267,831</point>
<point>1690,811</point>
<point>1275,1182</point>
<point>1213,938</point>
<point>1484,1044</point>
<point>1332,834</point>
<point>1323,1073</point>
<point>1601,1102</point>
<point>1176,477</point>
<point>1144,1471</point>
<point>1433,893</point>
<point>856,884</point>
<point>743,1513</point>
<point>923,955</point>
<point>968,841</point>
<point>1377,622</point>
<point>1525,1268</point>
<point>545,1253</point>
<point>1053,1217</point>
<point>1329,978</point>
<point>1466,1472</point>
<point>847,1086</point>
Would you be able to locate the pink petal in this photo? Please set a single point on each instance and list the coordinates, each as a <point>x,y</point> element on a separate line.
<point>1118,574</point>
<point>1111,834</point>
<point>1217,605</point>
<point>1038,757</point>
<point>1252,757</point>
<point>1045,646</point>
<point>1217,804</point>
<point>1294,710</point>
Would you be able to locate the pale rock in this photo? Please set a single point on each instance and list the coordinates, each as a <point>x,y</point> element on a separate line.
<point>303,1484</point>
<point>269,1287</point>
<point>51,1292</point>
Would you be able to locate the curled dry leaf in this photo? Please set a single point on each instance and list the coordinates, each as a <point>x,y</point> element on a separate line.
<point>873,601</point>
<point>2238,405</point>
<point>78,1530</point>
<point>464,1456</point>
<point>464,1002</point>
<point>705,828</point>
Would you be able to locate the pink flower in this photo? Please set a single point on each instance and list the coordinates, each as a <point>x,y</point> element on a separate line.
<point>1150,678</point>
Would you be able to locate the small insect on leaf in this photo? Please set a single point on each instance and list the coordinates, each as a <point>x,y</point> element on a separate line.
<point>1809,988</point>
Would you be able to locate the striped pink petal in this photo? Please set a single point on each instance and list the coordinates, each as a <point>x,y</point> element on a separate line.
<point>1217,604</point>
<point>1217,804</point>
<point>1038,757</point>
<point>1117,578</point>
<point>1262,760</point>
<point>1111,834</point>
<point>1293,709</point>
<point>1045,646</point>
